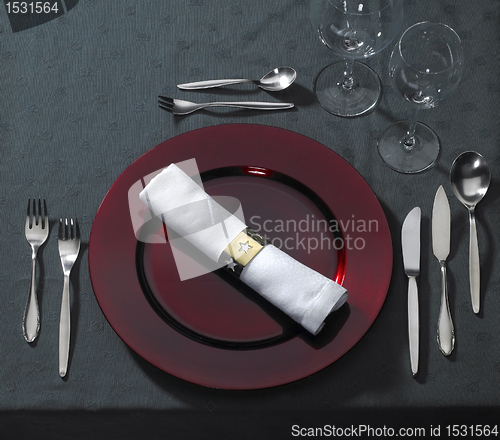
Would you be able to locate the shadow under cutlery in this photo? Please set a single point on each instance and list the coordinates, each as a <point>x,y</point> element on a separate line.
<point>427,333</point>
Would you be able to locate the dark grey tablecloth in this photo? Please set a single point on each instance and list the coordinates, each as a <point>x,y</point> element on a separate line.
<point>78,105</point>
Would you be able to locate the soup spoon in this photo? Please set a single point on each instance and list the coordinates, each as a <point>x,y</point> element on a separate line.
<point>273,81</point>
<point>470,178</point>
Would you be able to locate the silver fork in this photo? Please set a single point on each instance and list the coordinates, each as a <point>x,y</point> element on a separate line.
<point>36,230</point>
<point>180,107</point>
<point>69,246</point>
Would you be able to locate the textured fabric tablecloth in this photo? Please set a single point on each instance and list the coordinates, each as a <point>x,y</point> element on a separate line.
<point>78,105</point>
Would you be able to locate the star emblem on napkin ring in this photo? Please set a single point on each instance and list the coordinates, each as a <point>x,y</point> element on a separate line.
<point>241,250</point>
<point>245,247</point>
<point>231,264</point>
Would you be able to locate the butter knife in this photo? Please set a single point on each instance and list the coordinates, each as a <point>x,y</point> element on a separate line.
<point>441,225</point>
<point>410,241</point>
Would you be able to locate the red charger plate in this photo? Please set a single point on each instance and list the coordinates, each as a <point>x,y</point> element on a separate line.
<point>213,330</point>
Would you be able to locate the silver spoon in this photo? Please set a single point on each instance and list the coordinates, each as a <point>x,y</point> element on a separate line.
<point>470,178</point>
<point>273,81</point>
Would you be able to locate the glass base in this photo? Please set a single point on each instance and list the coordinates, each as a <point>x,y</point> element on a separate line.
<point>408,158</point>
<point>357,99</point>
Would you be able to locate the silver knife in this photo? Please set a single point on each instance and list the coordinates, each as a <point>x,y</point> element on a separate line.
<point>410,240</point>
<point>441,225</point>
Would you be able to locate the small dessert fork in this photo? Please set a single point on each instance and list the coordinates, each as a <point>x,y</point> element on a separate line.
<point>69,246</point>
<point>181,107</point>
<point>36,230</point>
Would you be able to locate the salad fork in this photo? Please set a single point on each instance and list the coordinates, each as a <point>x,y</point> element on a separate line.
<point>180,107</point>
<point>69,246</point>
<point>36,230</point>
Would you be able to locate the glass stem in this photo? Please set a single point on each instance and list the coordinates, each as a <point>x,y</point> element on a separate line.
<point>348,81</point>
<point>409,140</point>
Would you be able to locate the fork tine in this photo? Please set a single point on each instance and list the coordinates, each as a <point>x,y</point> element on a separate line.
<point>167,109</point>
<point>166,104</point>
<point>39,213</point>
<point>33,213</point>
<point>28,214</point>
<point>169,105</point>
<point>45,223</point>
<point>166,100</point>
<point>77,230</point>
<point>66,231</point>
<point>61,229</point>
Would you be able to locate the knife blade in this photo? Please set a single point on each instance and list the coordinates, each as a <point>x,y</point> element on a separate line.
<point>441,230</point>
<point>410,241</point>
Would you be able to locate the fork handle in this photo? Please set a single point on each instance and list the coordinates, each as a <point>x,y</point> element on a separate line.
<point>254,105</point>
<point>64,329</point>
<point>212,83</point>
<point>31,321</point>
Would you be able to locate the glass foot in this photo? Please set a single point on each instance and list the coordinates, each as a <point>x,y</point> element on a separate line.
<point>408,158</point>
<point>355,99</point>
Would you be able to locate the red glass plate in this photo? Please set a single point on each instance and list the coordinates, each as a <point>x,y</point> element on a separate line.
<point>213,330</point>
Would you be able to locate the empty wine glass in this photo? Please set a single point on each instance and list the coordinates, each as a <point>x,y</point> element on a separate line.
<point>355,30</point>
<point>425,67</point>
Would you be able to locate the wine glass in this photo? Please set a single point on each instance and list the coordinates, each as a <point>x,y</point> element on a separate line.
<point>425,67</point>
<point>355,30</point>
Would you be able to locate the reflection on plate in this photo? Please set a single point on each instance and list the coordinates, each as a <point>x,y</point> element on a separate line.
<point>214,330</point>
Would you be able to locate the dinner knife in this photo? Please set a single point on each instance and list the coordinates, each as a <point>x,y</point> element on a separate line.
<point>410,240</point>
<point>441,225</point>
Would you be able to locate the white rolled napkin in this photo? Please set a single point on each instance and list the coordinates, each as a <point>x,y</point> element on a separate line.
<point>302,293</point>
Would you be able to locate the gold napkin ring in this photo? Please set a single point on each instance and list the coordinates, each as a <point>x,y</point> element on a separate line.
<point>242,250</point>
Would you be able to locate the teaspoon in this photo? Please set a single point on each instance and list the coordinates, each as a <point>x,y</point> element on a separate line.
<point>470,178</point>
<point>273,81</point>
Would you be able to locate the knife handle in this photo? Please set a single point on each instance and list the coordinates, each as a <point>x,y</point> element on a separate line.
<point>413,323</point>
<point>446,333</point>
<point>474,272</point>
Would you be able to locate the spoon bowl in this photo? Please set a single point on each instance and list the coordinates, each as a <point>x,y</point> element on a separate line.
<point>470,178</point>
<point>277,79</point>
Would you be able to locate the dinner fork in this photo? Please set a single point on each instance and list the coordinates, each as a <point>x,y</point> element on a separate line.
<point>180,107</point>
<point>69,246</point>
<point>36,230</point>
